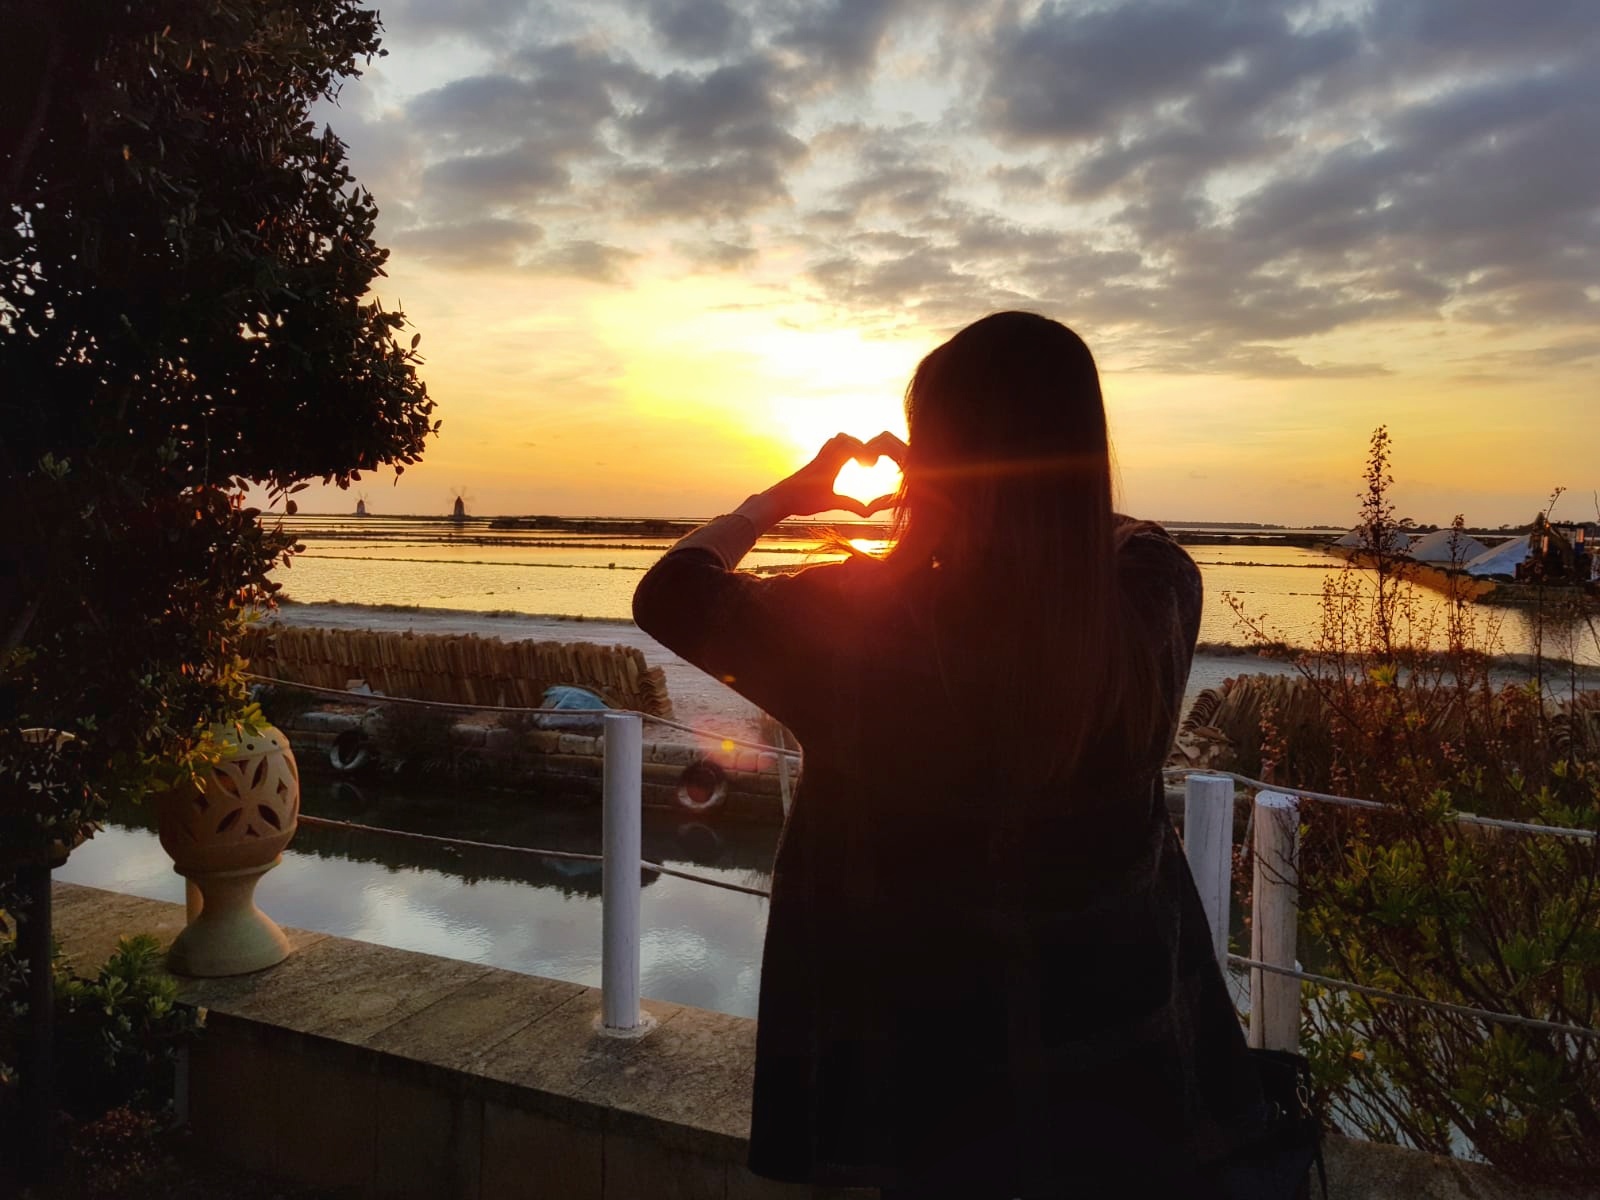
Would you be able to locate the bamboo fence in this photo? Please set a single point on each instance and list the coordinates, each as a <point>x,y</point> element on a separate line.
<point>456,668</point>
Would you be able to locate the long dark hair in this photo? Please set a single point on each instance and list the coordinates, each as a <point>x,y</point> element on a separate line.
<point>1006,513</point>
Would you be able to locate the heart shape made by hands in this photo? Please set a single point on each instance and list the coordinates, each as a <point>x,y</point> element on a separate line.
<point>873,486</point>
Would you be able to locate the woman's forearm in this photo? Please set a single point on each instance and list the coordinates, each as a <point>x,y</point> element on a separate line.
<point>763,510</point>
<point>731,536</point>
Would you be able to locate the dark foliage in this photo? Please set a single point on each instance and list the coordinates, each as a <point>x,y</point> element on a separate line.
<point>184,272</point>
<point>117,1038</point>
<point>119,1032</point>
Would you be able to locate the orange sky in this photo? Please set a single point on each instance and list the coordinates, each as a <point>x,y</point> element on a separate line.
<point>672,398</point>
<point>655,262</point>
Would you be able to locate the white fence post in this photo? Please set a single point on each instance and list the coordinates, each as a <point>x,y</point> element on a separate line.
<point>1208,844</point>
<point>1275,999</point>
<point>620,1015</point>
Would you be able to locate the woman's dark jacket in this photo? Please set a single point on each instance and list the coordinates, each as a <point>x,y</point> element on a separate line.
<point>946,1005</point>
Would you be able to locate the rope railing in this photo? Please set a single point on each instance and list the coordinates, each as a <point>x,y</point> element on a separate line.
<point>1216,909</point>
<point>1209,798</point>
<point>1234,960</point>
<point>531,851</point>
<point>1366,989</point>
<point>375,698</point>
<point>1275,973</point>
<point>1464,818</point>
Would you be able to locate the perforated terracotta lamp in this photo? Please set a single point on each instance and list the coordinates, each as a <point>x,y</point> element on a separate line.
<point>222,838</point>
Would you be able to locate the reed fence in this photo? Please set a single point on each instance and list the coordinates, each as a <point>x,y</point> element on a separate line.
<point>457,668</point>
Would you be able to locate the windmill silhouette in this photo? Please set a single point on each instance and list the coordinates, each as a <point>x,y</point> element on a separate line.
<point>361,504</point>
<point>458,512</point>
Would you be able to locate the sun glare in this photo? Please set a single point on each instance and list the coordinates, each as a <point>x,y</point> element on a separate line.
<point>867,484</point>
<point>872,546</point>
<point>828,381</point>
<point>720,350</point>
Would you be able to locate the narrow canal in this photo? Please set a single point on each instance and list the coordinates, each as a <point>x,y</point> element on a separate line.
<point>701,945</point>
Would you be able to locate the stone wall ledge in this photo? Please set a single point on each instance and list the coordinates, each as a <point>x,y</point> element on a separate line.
<point>382,1072</point>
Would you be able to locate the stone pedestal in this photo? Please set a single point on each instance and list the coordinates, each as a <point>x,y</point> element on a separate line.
<point>230,936</point>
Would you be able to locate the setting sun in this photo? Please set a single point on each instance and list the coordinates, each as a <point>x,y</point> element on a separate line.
<point>867,484</point>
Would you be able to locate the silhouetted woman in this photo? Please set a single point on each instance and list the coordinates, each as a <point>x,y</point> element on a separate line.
<point>987,971</point>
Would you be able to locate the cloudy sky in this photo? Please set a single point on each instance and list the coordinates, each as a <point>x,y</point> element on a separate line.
<point>659,249</point>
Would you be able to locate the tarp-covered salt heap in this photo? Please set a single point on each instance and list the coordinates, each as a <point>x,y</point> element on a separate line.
<point>1445,547</point>
<point>1500,560</point>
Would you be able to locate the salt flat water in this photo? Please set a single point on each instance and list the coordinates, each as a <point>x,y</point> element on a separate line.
<point>438,563</point>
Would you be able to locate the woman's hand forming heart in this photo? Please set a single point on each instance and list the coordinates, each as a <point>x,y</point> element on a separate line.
<point>810,489</point>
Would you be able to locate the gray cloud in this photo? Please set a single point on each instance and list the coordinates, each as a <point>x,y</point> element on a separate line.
<point>1565,353</point>
<point>479,110</point>
<point>894,176</point>
<point>505,145</point>
<point>1068,74</point>
<point>839,39</point>
<point>505,177</point>
<point>487,242</point>
<point>736,108</point>
<point>708,145</point>
<point>1467,33</point>
<point>584,259</point>
<point>1169,157</point>
<point>560,94</point>
<point>700,28</point>
<point>1206,185</point>
<point>717,253</point>
<point>426,20</point>
<point>731,187</point>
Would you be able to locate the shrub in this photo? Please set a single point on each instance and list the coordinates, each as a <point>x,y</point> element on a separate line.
<point>111,1155</point>
<point>119,1032</point>
<point>13,986</point>
<point>1411,900</point>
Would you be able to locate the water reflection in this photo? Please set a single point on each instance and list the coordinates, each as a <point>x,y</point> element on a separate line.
<point>701,945</point>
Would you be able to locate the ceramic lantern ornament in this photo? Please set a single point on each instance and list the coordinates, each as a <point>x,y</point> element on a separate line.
<point>223,835</point>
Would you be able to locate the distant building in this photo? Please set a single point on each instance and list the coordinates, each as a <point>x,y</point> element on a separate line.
<point>361,508</point>
<point>1558,553</point>
<point>460,513</point>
